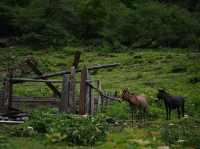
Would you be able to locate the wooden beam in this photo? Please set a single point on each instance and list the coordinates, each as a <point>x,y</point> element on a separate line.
<point>38,72</point>
<point>99,96</point>
<point>72,101</point>
<point>11,122</point>
<point>19,80</point>
<point>9,88</point>
<point>65,94</point>
<point>17,98</point>
<point>83,91</point>
<point>79,70</point>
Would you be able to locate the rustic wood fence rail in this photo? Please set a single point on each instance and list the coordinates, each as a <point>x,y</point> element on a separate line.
<point>87,100</point>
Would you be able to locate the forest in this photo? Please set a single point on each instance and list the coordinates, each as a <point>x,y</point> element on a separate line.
<point>117,24</point>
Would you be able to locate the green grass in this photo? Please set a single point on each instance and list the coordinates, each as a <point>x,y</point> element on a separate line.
<point>142,71</point>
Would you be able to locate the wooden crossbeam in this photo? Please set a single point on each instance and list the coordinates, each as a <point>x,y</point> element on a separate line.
<point>79,70</point>
<point>16,80</point>
<point>38,72</point>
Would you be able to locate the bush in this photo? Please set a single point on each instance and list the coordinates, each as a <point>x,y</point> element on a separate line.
<point>74,130</point>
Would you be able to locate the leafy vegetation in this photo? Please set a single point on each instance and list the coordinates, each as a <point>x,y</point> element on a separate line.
<point>114,24</point>
<point>73,130</point>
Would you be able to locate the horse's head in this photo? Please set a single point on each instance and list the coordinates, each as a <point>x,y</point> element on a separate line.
<point>125,94</point>
<point>160,95</point>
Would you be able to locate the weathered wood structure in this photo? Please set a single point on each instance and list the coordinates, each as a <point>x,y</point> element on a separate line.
<point>68,99</point>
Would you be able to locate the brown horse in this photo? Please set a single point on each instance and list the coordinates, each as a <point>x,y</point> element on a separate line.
<point>138,103</point>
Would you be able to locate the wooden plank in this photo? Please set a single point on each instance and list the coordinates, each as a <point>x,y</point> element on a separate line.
<point>92,106</point>
<point>79,70</point>
<point>72,101</point>
<point>38,72</point>
<point>65,94</point>
<point>11,122</point>
<point>10,88</point>
<point>34,98</point>
<point>88,97</point>
<point>41,101</point>
<point>15,80</point>
<point>99,96</point>
<point>2,97</point>
<point>83,91</point>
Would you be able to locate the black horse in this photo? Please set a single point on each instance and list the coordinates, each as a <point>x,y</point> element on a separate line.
<point>171,102</point>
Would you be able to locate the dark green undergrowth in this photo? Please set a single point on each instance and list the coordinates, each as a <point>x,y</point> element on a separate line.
<point>73,130</point>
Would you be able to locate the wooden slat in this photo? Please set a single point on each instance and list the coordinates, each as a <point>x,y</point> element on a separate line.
<point>34,98</point>
<point>99,96</point>
<point>72,100</point>
<point>11,122</point>
<point>92,104</point>
<point>10,88</point>
<point>15,80</point>
<point>83,91</point>
<point>65,94</point>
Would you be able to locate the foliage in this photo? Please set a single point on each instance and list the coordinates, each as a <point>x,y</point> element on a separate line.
<point>157,25</point>
<point>64,128</point>
<point>115,23</point>
<point>3,142</point>
<point>118,111</point>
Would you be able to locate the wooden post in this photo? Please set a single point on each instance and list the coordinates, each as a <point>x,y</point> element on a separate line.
<point>76,59</point>
<point>72,100</point>
<point>99,96</point>
<point>88,95</point>
<point>83,91</point>
<point>3,95</point>
<point>65,94</point>
<point>92,106</point>
<point>9,88</point>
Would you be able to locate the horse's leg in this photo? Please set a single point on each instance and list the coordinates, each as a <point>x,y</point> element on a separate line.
<point>182,109</point>
<point>178,110</point>
<point>169,113</point>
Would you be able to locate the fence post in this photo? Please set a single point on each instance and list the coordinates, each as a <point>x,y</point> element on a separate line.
<point>99,96</point>
<point>83,91</point>
<point>72,101</point>
<point>92,106</point>
<point>65,94</point>
<point>9,88</point>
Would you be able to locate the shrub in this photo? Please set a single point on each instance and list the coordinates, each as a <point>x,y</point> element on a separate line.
<point>74,130</point>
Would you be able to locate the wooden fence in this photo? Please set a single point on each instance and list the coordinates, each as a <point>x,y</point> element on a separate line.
<point>90,99</point>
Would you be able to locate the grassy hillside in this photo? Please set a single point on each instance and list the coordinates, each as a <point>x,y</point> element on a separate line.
<point>142,71</point>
